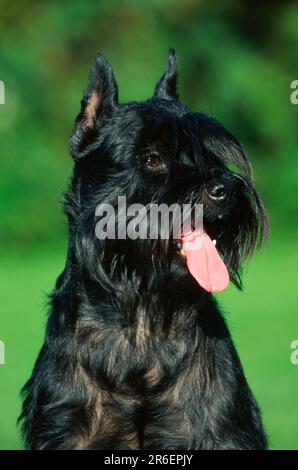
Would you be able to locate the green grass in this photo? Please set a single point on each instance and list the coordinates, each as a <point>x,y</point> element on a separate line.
<point>262,319</point>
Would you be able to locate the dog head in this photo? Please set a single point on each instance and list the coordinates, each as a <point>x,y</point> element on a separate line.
<point>158,151</point>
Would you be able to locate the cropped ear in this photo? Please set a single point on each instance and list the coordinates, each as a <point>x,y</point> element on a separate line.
<point>166,88</point>
<point>100,96</point>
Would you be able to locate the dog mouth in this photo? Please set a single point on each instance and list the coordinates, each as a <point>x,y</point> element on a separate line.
<point>181,250</point>
<point>203,260</point>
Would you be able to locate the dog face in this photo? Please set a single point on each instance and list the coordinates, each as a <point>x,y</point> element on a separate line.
<point>158,151</point>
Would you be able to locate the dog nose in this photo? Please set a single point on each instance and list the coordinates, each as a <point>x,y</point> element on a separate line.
<point>219,189</point>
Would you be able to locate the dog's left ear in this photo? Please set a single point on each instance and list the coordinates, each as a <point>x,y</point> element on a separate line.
<point>100,96</point>
<point>166,88</point>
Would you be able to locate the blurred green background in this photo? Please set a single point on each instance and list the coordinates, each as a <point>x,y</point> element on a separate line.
<point>237,60</point>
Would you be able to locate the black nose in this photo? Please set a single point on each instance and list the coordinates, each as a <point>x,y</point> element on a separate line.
<point>219,189</point>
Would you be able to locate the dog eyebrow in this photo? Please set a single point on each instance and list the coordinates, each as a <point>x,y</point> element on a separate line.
<point>149,148</point>
<point>185,159</point>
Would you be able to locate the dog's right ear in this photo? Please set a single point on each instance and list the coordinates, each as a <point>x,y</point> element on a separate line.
<point>100,96</point>
<point>166,88</point>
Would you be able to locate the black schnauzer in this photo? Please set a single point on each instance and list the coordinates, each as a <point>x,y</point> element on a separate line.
<point>137,354</point>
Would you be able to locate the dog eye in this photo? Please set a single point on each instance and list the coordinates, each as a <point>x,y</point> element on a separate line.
<point>153,161</point>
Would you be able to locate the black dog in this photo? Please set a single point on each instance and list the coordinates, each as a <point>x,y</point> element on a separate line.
<point>137,354</point>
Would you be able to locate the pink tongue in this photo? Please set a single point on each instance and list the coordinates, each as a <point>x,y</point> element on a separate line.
<point>204,262</point>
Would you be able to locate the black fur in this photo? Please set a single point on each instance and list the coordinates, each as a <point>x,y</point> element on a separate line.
<point>137,355</point>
